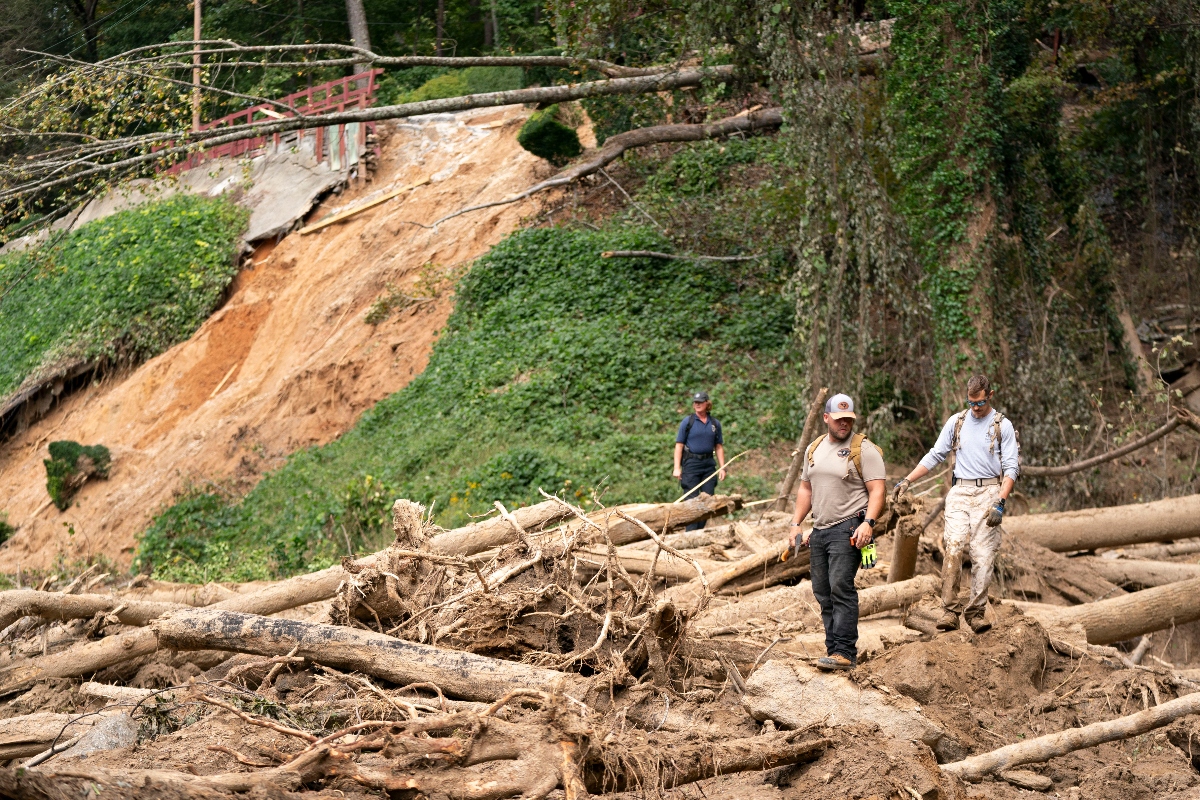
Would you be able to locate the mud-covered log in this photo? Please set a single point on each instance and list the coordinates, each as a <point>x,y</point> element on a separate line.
<point>497,531</point>
<point>162,784</point>
<point>1044,748</point>
<point>661,517</point>
<point>1090,528</point>
<point>1119,618</point>
<point>689,594</point>
<point>695,762</point>
<point>17,603</point>
<point>638,562</point>
<point>1124,571</point>
<point>795,603</point>
<point>28,735</point>
<point>459,674</point>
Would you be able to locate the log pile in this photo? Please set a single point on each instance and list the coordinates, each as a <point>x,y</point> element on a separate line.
<point>546,651</point>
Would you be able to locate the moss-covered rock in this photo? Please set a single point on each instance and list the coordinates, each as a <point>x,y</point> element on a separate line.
<point>70,465</point>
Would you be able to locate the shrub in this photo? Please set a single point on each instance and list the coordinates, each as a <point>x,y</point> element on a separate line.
<point>546,137</point>
<point>70,465</point>
<point>6,528</point>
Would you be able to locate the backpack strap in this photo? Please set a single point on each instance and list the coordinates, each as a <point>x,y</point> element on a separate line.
<point>856,443</point>
<point>958,423</point>
<point>812,448</point>
<point>688,429</point>
<point>996,441</point>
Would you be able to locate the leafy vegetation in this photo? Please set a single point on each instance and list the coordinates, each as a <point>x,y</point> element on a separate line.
<point>119,289</point>
<point>69,465</point>
<point>557,371</point>
<point>546,137</point>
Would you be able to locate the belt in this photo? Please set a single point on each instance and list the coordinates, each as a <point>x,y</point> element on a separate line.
<point>976,481</point>
<point>694,454</point>
<point>860,514</point>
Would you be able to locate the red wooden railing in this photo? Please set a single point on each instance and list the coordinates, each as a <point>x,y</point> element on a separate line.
<point>355,91</point>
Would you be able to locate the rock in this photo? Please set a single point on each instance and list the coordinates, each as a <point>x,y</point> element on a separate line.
<point>1024,779</point>
<point>112,733</point>
<point>795,695</point>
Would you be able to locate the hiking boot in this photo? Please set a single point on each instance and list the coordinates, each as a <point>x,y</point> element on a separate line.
<point>948,621</point>
<point>834,662</point>
<point>979,624</point>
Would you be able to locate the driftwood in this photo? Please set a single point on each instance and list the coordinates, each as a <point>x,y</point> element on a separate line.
<point>1065,531</point>
<point>1044,748</point>
<point>28,735</point>
<point>1126,571</point>
<point>18,603</point>
<point>1034,573</point>
<point>1133,614</point>
<point>459,674</point>
<point>497,531</point>
<point>787,604</point>
<point>1186,547</point>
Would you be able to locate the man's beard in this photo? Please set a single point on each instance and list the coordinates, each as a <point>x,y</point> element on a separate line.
<point>833,434</point>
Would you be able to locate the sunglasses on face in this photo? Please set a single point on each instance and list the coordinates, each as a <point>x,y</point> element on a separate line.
<point>977,403</point>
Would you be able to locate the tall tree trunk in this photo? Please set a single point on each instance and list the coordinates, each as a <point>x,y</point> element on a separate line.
<point>441,26</point>
<point>359,36</point>
<point>85,12</point>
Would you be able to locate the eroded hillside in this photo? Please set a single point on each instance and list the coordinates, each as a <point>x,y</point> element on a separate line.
<point>289,361</point>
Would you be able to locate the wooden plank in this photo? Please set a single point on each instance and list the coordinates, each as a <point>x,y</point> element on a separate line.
<point>350,212</point>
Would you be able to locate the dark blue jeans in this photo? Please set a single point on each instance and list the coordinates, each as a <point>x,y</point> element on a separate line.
<point>834,563</point>
<point>692,471</point>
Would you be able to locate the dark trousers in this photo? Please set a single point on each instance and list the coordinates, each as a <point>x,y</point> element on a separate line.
<point>694,470</point>
<point>834,563</point>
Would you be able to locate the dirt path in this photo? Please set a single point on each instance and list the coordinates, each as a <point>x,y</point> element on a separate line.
<point>288,362</point>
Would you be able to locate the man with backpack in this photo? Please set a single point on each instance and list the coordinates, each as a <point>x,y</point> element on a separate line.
<point>986,466</point>
<point>842,483</point>
<point>698,440</point>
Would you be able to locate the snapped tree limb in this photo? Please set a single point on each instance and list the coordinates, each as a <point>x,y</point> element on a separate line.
<point>1044,748</point>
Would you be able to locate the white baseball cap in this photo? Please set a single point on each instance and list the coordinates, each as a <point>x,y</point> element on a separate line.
<point>840,406</point>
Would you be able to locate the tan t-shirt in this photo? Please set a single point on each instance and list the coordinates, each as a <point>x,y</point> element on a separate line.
<point>837,490</point>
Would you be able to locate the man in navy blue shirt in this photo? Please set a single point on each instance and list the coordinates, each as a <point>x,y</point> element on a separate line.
<point>696,444</point>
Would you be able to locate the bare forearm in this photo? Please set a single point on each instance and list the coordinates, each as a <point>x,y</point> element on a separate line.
<point>875,495</point>
<point>721,455</point>
<point>1006,486</point>
<point>918,472</point>
<point>803,502</point>
<point>678,455</point>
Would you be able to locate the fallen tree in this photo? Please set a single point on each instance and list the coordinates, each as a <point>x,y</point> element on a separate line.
<point>1044,748</point>
<point>17,603</point>
<point>1092,528</point>
<point>459,674</point>
<point>1119,618</point>
<point>1127,571</point>
<point>90,656</point>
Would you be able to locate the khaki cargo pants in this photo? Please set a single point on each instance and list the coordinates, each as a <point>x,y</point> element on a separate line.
<point>967,508</point>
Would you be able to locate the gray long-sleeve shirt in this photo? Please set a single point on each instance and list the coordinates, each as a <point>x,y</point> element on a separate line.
<point>978,457</point>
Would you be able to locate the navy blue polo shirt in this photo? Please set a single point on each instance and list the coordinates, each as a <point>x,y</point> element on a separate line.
<point>703,437</point>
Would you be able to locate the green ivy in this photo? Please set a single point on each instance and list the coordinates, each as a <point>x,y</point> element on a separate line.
<point>122,288</point>
<point>546,137</point>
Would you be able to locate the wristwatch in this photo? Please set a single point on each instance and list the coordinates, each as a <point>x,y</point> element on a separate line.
<point>870,522</point>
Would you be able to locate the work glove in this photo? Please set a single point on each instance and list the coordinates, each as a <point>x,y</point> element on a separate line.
<point>868,556</point>
<point>996,515</point>
<point>900,489</point>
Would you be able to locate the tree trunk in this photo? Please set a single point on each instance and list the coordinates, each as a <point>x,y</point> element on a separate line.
<point>1088,529</point>
<point>638,562</point>
<point>1121,618</point>
<point>464,675</point>
<point>441,27</point>
<point>806,435</point>
<point>497,531</point>
<point>1141,573</point>
<point>18,603</point>
<point>360,35</point>
<point>1047,747</point>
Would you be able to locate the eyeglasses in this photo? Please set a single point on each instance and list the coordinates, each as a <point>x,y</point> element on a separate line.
<point>977,403</point>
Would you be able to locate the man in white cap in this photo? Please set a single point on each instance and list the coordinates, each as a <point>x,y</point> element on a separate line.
<point>986,465</point>
<point>842,484</point>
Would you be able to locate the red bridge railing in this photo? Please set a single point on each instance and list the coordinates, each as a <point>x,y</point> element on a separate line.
<point>341,145</point>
